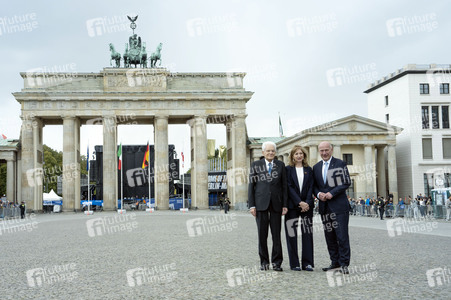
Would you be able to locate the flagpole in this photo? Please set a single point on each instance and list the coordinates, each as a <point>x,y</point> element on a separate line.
<point>183,183</point>
<point>87,167</point>
<point>148,169</point>
<point>122,186</point>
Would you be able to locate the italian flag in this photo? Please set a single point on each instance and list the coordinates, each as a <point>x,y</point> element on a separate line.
<point>119,154</point>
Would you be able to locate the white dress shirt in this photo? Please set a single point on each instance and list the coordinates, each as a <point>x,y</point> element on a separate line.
<point>300,174</point>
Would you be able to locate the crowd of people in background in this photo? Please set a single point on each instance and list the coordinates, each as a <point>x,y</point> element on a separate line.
<point>417,208</point>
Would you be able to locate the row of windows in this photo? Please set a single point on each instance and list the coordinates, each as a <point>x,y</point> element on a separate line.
<point>424,88</point>
<point>427,148</point>
<point>439,116</point>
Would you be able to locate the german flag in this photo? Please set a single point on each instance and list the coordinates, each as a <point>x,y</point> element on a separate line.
<point>146,157</point>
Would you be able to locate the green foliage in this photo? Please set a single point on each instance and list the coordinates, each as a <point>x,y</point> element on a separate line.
<point>53,167</point>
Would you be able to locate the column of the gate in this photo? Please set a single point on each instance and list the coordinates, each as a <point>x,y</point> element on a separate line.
<point>71,163</point>
<point>237,166</point>
<point>27,162</point>
<point>10,178</point>
<point>161,164</point>
<point>110,173</point>
<point>200,162</point>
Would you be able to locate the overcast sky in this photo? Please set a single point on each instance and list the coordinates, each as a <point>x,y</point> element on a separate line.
<point>310,61</point>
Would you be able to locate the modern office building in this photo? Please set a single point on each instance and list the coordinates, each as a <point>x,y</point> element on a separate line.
<point>417,98</point>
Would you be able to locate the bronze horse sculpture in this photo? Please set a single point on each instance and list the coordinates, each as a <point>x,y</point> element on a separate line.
<point>116,56</point>
<point>156,56</point>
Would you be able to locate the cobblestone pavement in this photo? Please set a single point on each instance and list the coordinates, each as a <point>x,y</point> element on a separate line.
<point>210,255</point>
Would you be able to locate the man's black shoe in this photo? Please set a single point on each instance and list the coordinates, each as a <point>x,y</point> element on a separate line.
<point>308,268</point>
<point>296,269</point>
<point>344,270</point>
<point>331,267</point>
<point>264,267</point>
<point>277,268</point>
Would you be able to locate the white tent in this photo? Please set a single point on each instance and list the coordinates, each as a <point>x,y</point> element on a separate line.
<point>52,199</point>
<point>52,196</point>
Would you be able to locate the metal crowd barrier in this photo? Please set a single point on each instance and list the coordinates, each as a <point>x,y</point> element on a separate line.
<point>407,211</point>
<point>9,212</point>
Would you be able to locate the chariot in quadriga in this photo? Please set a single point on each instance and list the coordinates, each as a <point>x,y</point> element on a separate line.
<point>135,51</point>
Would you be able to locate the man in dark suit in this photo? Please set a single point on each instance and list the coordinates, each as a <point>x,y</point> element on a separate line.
<point>332,179</point>
<point>267,200</point>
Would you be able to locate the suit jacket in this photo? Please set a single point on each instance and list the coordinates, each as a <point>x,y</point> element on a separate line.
<point>264,188</point>
<point>294,195</point>
<point>337,182</point>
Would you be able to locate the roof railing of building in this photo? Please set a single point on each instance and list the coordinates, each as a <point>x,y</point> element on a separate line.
<point>410,67</point>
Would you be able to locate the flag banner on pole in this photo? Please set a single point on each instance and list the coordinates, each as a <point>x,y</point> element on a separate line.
<point>87,158</point>
<point>119,154</point>
<point>211,147</point>
<point>146,157</point>
<point>3,137</point>
<point>183,160</point>
<point>280,127</point>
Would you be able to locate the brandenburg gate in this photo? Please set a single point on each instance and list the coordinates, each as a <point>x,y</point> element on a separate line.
<point>153,96</point>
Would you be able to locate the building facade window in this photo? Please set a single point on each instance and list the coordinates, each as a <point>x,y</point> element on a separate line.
<point>351,190</point>
<point>427,148</point>
<point>444,88</point>
<point>435,117</point>
<point>445,117</point>
<point>347,158</point>
<point>387,118</point>
<point>425,116</point>
<point>424,88</point>
<point>386,100</point>
<point>428,184</point>
<point>446,145</point>
<point>447,180</point>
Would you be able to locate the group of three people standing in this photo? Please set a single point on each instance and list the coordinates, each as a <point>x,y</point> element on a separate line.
<point>276,190</point>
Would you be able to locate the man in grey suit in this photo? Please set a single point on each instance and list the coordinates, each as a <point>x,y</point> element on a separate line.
<point>267,199</point>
